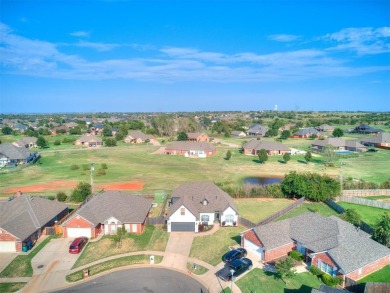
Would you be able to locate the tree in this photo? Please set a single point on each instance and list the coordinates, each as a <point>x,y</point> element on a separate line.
<point>382,230</point>
<point>263,156</point>
<point>330,154</point>
<point>110,142</point>
<point>352,216</point>
<point>338,132</point>
<point>228,155</point>
<point>271,132</point>
<point>81,192</point>
<point>6,130</point>
<point>61,196</point>
<point>308,157</point>
<point>286,157</point>
<point>41,142</point>
<point>285,134</point>
<point>285,269</point>
<point>117,238</point>
<point>107,131</point>
<point>182,136</point>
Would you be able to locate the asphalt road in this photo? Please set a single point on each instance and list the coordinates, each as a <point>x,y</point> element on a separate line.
<point>145,280</point>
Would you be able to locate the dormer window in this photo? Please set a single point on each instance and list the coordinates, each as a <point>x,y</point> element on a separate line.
<point>205,202</point>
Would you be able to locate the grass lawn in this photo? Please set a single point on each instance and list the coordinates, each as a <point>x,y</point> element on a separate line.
<point>115,263</point>
<point>199,269</point>
<point>21,265</point>
<point>211,248</point>
<point>370,215</point>
<point>319,207</point>
<point>259,281</point>
<point>376,197</point>
<point>153,238</point>
<point>382,276</point>
<point>11,287</point>
<point>256,209</point>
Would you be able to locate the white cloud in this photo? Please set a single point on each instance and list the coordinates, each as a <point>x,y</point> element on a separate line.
<point>101,47</point>
<point>80,34</point>
<point>283,38</point>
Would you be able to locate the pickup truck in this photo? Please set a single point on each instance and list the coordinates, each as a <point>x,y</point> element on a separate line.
<point>239,266</point>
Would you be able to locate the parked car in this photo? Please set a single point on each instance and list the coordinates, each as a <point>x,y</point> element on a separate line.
<point>77,245</point>
<point>234,254</point>
<point>238,266</point>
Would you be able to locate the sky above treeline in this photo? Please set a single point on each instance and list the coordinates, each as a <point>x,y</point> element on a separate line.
<point>165,56</point>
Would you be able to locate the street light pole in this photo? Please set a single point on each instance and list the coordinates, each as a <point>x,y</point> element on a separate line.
<point>92,169</point>
<point>231,284</point>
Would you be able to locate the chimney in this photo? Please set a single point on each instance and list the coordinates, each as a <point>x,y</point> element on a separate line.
<point>19,193</point>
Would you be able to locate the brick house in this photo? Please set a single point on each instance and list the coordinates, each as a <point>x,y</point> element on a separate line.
<point>89,141</point>
<point>136,136</point>
<point>257,130</point>
<point>106,212</point>
<point>333,245</point>
<point>306,133</point>
<point>191,149</point>
<point>196,136</point>
<point>325,128</point>
<point>24,218</point>
<point>272,147</point>
<point>381,140</point>
<point>339,144</point>
<point>27,142</point>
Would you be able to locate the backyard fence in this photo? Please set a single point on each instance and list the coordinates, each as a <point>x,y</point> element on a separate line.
<point>156,221</point>
<point>366,202</point>
<point>366,192</point>
<point>246,222</point>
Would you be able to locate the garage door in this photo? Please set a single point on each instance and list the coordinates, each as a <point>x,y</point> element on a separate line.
<point>78,232</point>
<point>258,251</point>
<point>183,226</point>
<point>7,246</point>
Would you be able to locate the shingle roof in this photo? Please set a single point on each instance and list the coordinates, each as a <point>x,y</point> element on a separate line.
<point>25,214</point>
<point>379,138</point>
<point>139,134</point>
<point>90,138</point>
<point>26,140</point>
<point>13,152</point>
<point>191,145</point>
<point>192,194</point>
<point>267,145</point>
<point>258,129</point>
<point>123,206</point>
<point>340,239</point>
<point>338,142</point>
<point>306,131</point>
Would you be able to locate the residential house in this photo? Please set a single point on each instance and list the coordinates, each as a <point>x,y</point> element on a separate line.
<point>191,149</point>
<point>257,130</point>
<point>306,133</point>
<point>106,212</point>
<point>325,128</point>
<point>339,144</point>
<point>96,128</point>
<point>366,129</point>
<point>89,141</point>
<point>11,155</point>
<point>23,219</point>
<point>336,247</point>
<point>327,289</point>
<point>200,203</point>
<point>196,136</point>
<point>59,129</point>
<point>288,126</point>
<point>27,142</point>
<point>19,127</point>
<point>238,134</point>
<point>136,136</point>
<point>71,124</point>
<point>380,140</point>
<point>254,146</point>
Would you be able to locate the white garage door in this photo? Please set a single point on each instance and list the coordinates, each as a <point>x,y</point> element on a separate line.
<point>78,232</point>
<point>253,248</point>
<point>7,246</point>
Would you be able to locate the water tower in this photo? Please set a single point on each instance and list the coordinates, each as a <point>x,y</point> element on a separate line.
<point>276,108</point>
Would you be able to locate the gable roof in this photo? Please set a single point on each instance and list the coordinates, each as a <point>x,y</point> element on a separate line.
<point>139,134</point>
<point>258,129</point>
<point>192,194</point>
<point>23,215</point>
<point>123,206</point>
<point>26,140</point>
<point>195,135</point>
<point>341,240</point>
<point>89,138</point>
<point>13,152</point>
<point>379,138</point>
<point>365,128</point>
<point>338,142</point>
<point>306,131</point>
<point>267,145</point>
<point>191,145</point>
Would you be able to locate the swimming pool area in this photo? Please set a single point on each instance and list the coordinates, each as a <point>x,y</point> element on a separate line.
<point>344,152</point>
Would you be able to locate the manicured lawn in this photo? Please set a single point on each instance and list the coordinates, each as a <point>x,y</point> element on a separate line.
<point>370,215</point>
<point>115,263</point>
<point>256,209</point>
<point>382,275</point>
<point>376,197</point>
<point>319,207</point>
<point>11,287</point>
<point>199,269</point>
<point>21,265</point>
<point>260,281</point>
<point>153,238</point>
<point>211,248</point>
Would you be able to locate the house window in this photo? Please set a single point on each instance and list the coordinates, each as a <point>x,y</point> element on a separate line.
<point>182,211</point>
<point>205,218</point>
<point>327,268</point>
<point>229,218</point>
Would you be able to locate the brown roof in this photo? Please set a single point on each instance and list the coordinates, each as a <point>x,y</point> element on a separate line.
<point>90,138</point>
<point>191,145</point>
<point>135,134</point>
<point>194,135</point>
<point>267,145</point>
<point>338,142</point>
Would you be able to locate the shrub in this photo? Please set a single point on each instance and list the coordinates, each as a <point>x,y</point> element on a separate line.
<point>57,142</point>
<point>296,255</point>
<point>329,280</point>
<point>101,172</point>
<point>86,167</point>
<point>316,271</point>
<point>104,166</point>
<point>74,167</point>
<point>61,196</point>
<point>50,197</point>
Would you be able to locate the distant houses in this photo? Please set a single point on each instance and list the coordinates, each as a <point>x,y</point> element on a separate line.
<point>196,136</point>
<point>254,146</point>
<point>366,129</point>
<point>306,133</point>
<point>257,130</point>
<point>339,144</point>
<point>89,141</point>
<point>325,128</point>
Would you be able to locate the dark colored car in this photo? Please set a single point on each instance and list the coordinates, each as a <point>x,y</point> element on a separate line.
<point>238,266</point>
<point>234,254</point>
<point>77,245</point>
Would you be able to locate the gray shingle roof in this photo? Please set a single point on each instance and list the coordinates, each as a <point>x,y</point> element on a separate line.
<point>192,194</point>
<point>379,138</point>
<point>26,140</point>
<point>267,145</point>
<point>13,152</point>
<point>257,129</point>
<point>90,138</point>
<point>340,239</point>
<point>125,207</point>
<point>25,214</point>
<point>306,131</point>
<point>191,145</point>
<point>338,142</point>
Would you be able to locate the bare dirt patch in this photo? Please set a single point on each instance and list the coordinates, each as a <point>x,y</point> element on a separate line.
<point>134,185</point>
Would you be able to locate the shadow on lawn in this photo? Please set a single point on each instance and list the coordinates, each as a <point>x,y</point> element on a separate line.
<point>237,239</point>
<point>302,289</point>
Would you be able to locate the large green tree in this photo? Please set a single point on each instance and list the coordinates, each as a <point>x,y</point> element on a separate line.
<point>263,156</point>
<point>41,142</point>
<point>182,136</point>
<point>286,157</point>
<point>382,230</point>
<point>285,134</point>
<point>6,130</point>
<point>81,192</point>
<point>338,132</point>
<point>285,269</point>
<point>352,216</point>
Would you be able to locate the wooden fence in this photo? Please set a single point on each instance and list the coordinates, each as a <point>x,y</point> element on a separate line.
<point>246,222</point>
<point>156,221</point>
<point>366,192</point>
<point>366,202</point>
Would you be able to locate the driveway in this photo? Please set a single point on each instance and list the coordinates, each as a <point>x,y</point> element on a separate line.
<point>6,258</point>
<point>178,249</point>
<point>50,266</point>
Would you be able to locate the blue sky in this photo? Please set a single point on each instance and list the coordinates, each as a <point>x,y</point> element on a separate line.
<point>146,56</point>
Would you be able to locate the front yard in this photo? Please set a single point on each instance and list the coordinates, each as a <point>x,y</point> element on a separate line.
<point>153,238</point>
<point>211,248</point>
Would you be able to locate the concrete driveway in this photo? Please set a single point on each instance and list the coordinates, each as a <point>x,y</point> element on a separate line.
<point>6,258</point>
<point>51,265</point>
<point>178,249</point>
